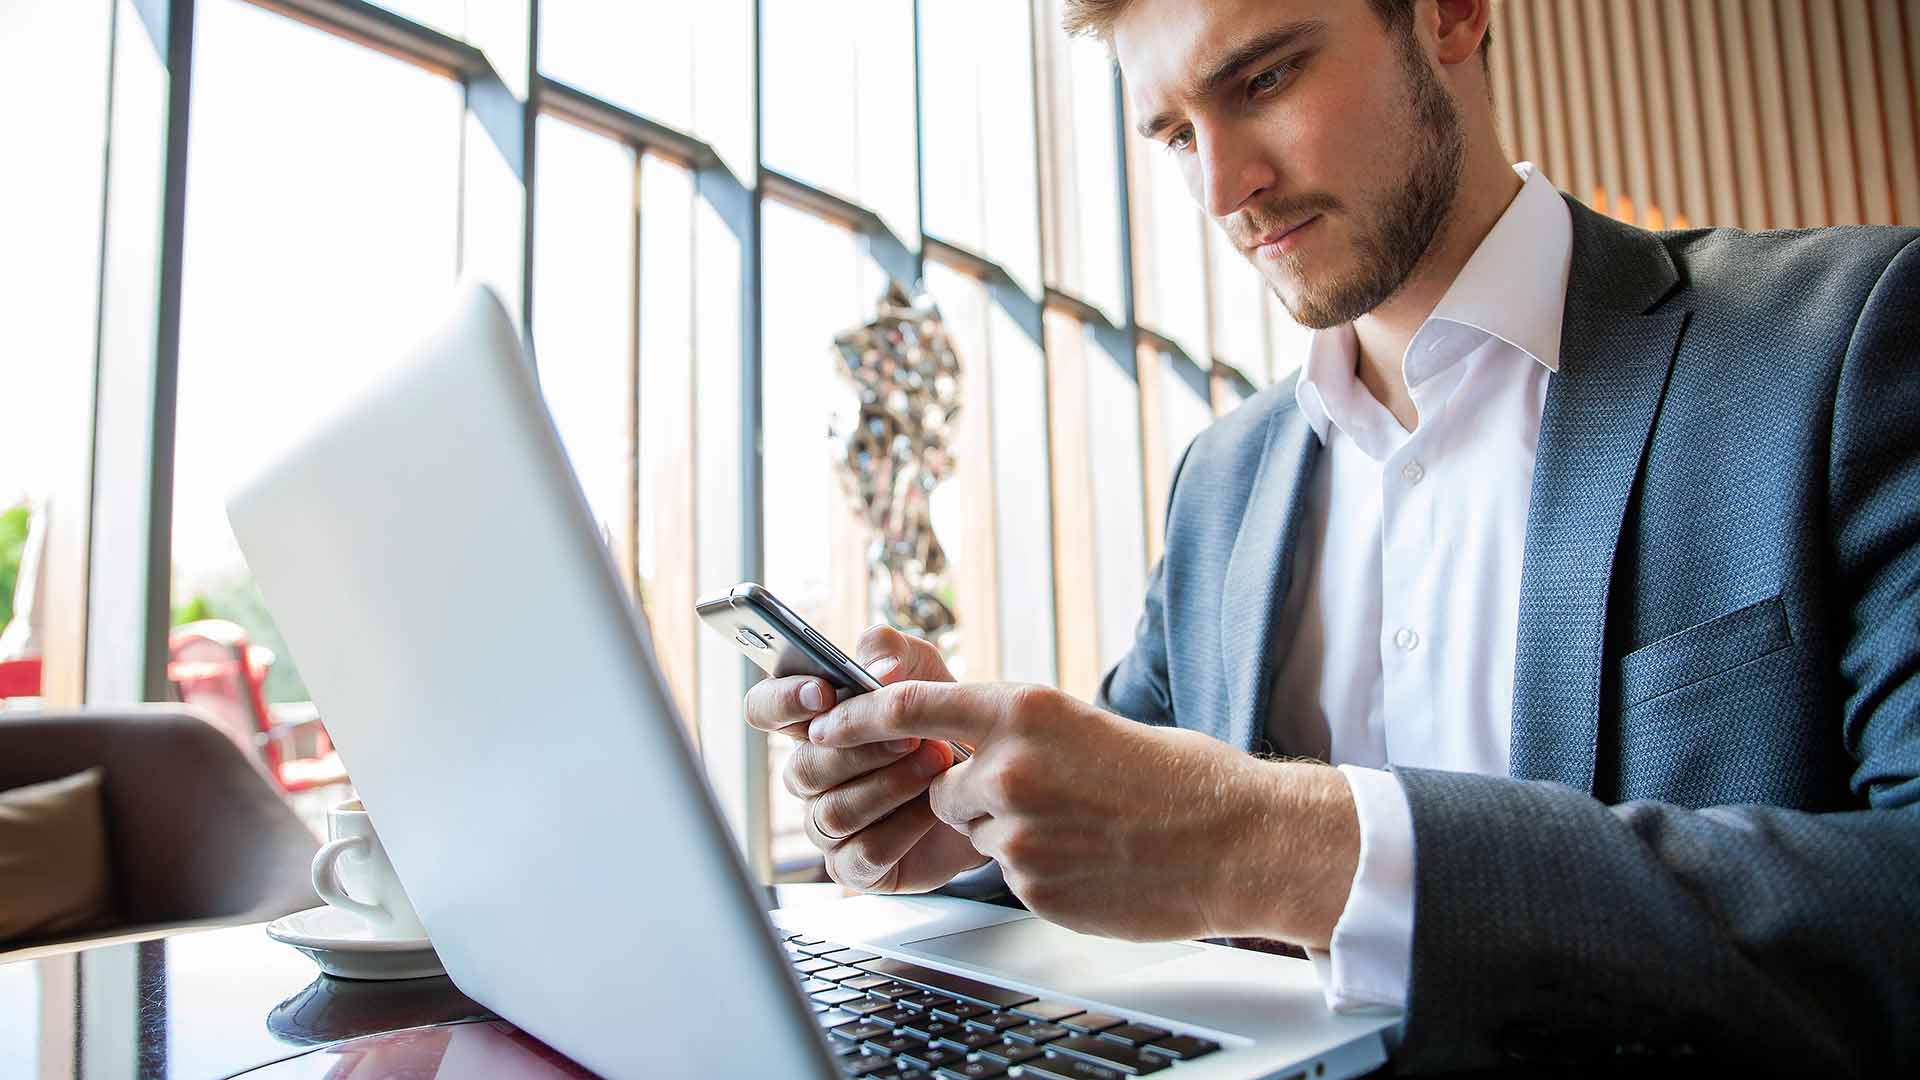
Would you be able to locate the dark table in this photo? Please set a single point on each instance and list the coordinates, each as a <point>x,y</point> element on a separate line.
<point>223,1002</point>
<point>231,1001</point>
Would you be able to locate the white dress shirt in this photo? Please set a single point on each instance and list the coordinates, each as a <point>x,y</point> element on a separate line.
<point>1405,601</point>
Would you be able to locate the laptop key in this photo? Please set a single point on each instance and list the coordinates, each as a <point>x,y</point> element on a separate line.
<point>834,1018</point>
<point>896,1043</point>
<point>864,1064</point>
<point>1135,1034</point>
<point>816,946</point>
<point>996,1021</point>
<point>834,995</point>
<point>958,985</point>
<point>809,967</point>
<point>1010,1053</point>
<point>1068,1068</point>
<point>894,1017</point>
<point>931,1030</point>
<point>894,991</point>
<point>867,982</point>
<point>932,1057</point>
<point>911,1074</point>
<point>1091,1023</point>
<point>851,956</point>
<point>972,1070</point>
<point>802,939</point>
<point>837,973</point>
<point>924,999</point>
<point>962,1010</point>
<point>1182,1047</point>
<point>1051,1012</point>
<point>864,1006</point>
<point>967,1041</point>
<point>1037,1033</point>
<point>1105,1052</point>
<point>862,1031</point>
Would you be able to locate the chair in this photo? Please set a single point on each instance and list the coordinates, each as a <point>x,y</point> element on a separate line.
<point>20,677</point>
<point>215,668</point>
<point>195,834</point>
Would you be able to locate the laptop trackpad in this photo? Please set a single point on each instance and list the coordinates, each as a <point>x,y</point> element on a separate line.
<point>1036,951</point>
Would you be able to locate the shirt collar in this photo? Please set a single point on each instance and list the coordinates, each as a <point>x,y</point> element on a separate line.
<point>1515,284</point>
<point>1514,287</point>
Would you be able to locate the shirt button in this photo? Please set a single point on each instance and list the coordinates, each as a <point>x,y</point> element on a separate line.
<point>1406,638</point>
<point>1414,472</point>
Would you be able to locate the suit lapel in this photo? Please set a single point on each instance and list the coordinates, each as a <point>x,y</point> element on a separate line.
<point>1260,570</point>
<point>1615,355</point>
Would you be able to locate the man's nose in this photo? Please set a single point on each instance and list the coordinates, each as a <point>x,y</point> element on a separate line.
<point>1230,175</point>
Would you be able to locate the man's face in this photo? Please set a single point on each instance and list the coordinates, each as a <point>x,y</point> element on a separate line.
<point>1322,141</point>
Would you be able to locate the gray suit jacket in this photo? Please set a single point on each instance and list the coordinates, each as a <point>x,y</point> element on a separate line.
<point>1709,847</point>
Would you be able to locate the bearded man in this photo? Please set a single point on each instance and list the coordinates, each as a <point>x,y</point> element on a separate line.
<point>1544,659</point>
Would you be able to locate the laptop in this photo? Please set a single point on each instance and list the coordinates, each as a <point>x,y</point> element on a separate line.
<point>533,785</point>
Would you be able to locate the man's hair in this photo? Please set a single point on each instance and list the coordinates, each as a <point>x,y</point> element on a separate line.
<point>1095,19</point>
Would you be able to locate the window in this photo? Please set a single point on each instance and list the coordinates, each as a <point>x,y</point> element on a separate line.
<point>1100,539</point>
<point>819,283</point>
<point>53,56</point>
<point>1081,166</point>
<point>838,102</point>
<point>1023,495</point>
<point>980,171</point>
<point>319,228</point>
<point>666,540</point>
<point>685,66</point>
<point>584,293</point>
<point>965,507</point>
<point>683,284</point>
<point>1170,260</point>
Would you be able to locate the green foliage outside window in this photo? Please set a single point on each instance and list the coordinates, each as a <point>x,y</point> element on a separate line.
<point>13,542</point>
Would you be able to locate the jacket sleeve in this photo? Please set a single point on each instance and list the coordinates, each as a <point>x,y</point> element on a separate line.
<point>1549,927</point>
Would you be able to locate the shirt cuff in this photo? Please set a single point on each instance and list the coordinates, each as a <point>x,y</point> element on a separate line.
<point>1368,961</point>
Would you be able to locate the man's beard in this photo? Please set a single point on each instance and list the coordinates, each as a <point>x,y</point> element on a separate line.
<point>1390,242</point>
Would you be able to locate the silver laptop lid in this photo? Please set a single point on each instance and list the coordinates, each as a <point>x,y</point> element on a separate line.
<point>517,751</point>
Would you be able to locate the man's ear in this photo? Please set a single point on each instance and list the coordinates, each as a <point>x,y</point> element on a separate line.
<point>1462,26</point>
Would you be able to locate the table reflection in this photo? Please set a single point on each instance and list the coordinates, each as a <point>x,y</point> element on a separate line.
<point>212,1003</point>
<point>492,1049</point>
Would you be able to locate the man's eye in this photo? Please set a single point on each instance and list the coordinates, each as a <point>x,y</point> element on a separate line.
<point>1181,139</point>
<point>1271,79</point>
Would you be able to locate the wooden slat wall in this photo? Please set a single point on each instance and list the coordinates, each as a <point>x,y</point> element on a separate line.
<point>1760,114</point>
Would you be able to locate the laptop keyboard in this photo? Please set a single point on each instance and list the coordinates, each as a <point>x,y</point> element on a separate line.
<point>888,1019</point>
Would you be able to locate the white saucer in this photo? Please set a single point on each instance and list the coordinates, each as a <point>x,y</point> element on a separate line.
<point>344,944</point>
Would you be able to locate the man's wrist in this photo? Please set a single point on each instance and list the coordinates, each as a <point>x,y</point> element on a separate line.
<point>1304,837</point>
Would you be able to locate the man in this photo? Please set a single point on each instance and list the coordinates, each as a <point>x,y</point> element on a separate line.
<point>1590,556</point>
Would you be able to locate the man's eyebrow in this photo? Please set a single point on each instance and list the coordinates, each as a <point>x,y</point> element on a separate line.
<point>1229,65</point>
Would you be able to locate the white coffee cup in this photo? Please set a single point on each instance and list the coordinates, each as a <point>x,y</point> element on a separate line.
<point>352,872</point>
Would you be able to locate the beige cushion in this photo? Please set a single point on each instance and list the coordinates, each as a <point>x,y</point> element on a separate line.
<point>55,874</point>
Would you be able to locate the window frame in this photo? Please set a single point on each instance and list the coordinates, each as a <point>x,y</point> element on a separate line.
<point>126,590</point>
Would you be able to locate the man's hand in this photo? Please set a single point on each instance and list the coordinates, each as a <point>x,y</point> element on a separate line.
<point>866,807</point>
<point>1112,827</point>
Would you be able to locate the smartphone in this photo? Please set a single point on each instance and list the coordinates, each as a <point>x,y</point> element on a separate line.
<point>781,643</point>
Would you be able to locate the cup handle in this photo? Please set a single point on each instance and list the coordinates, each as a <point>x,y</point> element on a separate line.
<point>327,884</point>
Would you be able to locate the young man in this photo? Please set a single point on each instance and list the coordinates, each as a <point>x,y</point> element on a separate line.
<point>1588,557</point>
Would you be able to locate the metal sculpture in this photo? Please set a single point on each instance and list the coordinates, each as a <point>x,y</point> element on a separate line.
<point>897,450</point>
